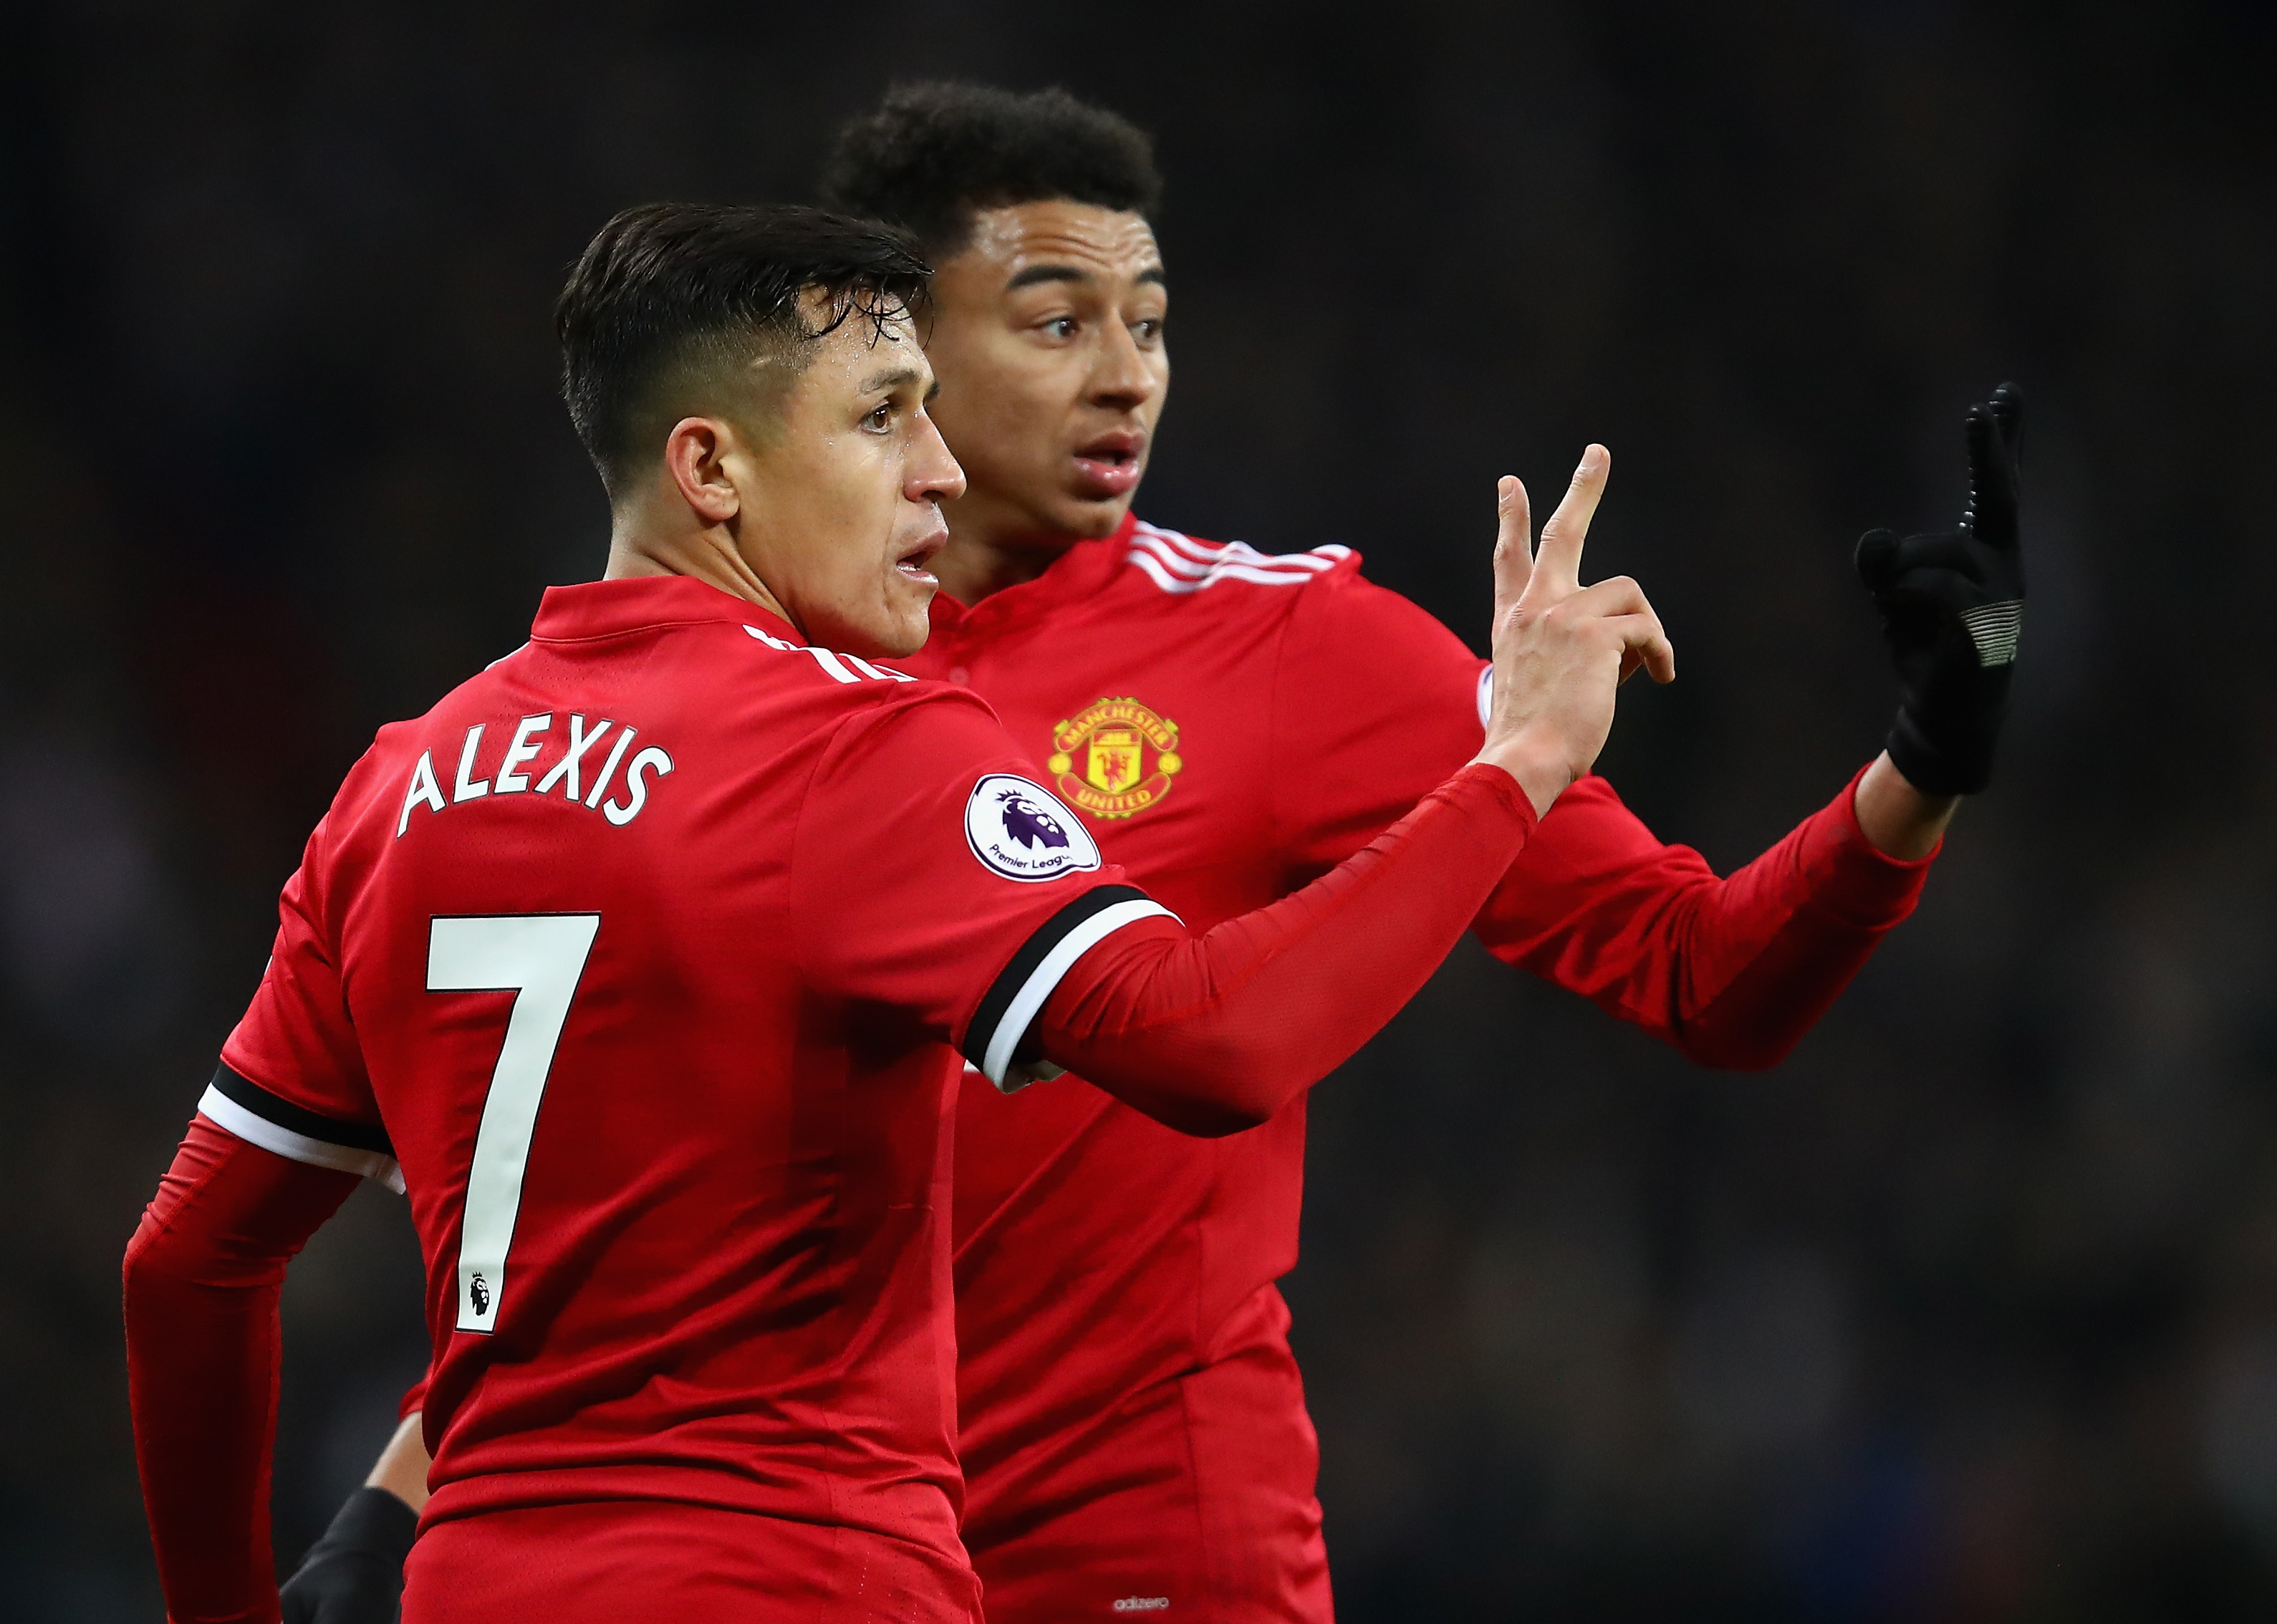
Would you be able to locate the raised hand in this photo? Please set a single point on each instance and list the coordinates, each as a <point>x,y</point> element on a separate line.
<point>1952,605</point>
<point>1560,649</point>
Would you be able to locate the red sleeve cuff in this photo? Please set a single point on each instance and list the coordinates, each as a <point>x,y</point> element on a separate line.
<point>1849,877</point>
<point>1498,785</point>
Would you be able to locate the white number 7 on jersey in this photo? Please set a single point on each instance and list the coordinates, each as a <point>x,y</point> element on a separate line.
<point>539,958</point>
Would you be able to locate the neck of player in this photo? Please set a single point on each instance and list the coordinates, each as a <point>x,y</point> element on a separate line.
<point>653,538</point>
<point>993,544</point>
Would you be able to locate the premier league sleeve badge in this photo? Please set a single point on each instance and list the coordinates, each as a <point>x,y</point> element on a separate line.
<point>1020,831</point>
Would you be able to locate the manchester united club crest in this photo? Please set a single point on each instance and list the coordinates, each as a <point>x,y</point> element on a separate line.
<point>1115,758</point>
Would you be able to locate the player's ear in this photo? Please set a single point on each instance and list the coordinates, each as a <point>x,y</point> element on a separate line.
<point>695,458</point>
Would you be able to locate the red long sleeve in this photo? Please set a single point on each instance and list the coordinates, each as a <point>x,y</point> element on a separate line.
<point>1732,971</point>
<point>1215,1033</point>
<point>203,1279</point>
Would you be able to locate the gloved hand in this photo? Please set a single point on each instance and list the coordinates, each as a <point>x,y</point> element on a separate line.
<point>1952,605</point>
<point>355,1574</point>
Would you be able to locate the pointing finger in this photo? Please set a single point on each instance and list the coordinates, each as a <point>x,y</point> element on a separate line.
<point>2007,404</point>
<point>1991,478</point>
<point>1558,560</point>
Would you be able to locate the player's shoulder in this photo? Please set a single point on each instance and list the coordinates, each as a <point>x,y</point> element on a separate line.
<point>726,673</point>
<point>747,683</point>
<point>1206,577</point>
<point>772,663</point>
<point>854,699</point>
<point>1323,588</point>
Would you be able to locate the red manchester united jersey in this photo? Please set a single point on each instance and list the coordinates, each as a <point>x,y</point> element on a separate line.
<point>1231,724</point>
<point>648,954</point>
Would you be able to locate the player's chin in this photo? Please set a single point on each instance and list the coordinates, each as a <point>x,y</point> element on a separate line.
<point>904,617</point>
<point>1085,513</point>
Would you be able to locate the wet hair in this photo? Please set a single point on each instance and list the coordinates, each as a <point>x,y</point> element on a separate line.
<point>936,152</point>
<point>668,306</point>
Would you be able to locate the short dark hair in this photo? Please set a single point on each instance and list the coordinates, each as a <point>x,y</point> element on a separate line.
<point>937,152</point>
<point>671,298</point>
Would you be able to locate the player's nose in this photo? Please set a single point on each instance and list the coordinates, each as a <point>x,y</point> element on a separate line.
<point>1121,378</point>
<point>934,474</point>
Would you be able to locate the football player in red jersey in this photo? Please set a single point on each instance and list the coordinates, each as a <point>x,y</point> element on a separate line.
<point>1132,1424</point>
<point>641,962</point>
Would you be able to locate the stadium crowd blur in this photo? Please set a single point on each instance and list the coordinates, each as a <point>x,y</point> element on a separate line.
<point>1967,1312</point>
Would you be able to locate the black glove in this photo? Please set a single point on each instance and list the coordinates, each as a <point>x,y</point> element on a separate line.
<point>355,1574</point>
<point>1952,605</point>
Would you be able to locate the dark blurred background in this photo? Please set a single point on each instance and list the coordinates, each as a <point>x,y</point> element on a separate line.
<point>1968,1312</point>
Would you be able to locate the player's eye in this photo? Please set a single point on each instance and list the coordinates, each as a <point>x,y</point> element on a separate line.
<point>880,421</point>
<point>1148,331</point>
<point>1062,326</point>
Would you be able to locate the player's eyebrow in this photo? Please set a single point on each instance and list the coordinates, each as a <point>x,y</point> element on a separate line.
<point>1034,274</point>
<point>892,377</point>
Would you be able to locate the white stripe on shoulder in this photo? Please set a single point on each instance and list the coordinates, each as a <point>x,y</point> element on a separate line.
<point>1179,564</point>
<point>831,664</point>
<point>1172,544</point>
<point>1188,545</point>
<point>231,1118</point>
<point>838,667</point>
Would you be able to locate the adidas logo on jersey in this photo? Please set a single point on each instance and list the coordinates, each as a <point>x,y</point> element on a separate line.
<point>529,743</point>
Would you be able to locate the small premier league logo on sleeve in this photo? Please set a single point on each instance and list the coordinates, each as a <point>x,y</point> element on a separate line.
<point>1017,830</point>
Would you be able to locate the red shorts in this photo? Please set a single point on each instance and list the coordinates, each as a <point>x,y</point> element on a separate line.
<point>656,1563</point>
<point>1198,1504</point>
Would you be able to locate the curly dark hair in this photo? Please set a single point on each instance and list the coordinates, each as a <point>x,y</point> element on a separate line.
<point>937,152</point>
<point>672,299</point>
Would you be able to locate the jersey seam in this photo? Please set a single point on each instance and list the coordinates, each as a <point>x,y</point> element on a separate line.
<point>1273,822</point>
<point>823,758</point>
<point>318,912</point>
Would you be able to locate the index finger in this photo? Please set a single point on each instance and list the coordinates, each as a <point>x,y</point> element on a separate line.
<point>1992,474</point>
<point>1558,554</point>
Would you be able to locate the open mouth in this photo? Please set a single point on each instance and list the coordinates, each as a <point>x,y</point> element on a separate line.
<point>913,563</point>
<point>1109,465</point>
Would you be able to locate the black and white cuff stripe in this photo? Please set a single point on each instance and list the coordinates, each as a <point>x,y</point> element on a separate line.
<point>995,1043</point>
<point>241,1106</point>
